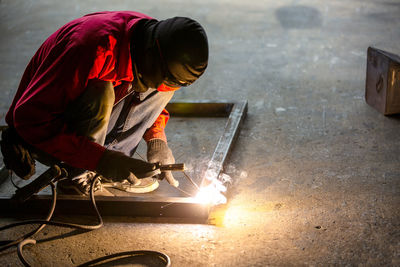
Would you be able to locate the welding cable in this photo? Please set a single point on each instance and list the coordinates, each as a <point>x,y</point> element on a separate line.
<point>19,250</point>
<point>162,256</point>
<point>25,241</point>
<point>48,217</point>
<point>108,260</point>
<point>12,181</point>
<point>64,224</point>
<point>55,223</point>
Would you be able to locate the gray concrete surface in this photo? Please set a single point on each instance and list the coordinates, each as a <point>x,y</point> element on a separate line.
<point>316,170</point>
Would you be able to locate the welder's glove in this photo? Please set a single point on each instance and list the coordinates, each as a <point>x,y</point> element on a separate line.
<point>159,152</point>
<point>118,167</point>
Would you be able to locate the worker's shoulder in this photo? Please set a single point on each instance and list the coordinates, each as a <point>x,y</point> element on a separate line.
<point>97,27</point>
<point>115,15</point>
<point>111,21</point>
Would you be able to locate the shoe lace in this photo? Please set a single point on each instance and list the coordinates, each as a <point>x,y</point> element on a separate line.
<point>84,181</point>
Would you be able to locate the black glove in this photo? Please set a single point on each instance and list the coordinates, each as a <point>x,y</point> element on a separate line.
<point>159,152</point>
<point>117,167</point>
<point>16,156</point>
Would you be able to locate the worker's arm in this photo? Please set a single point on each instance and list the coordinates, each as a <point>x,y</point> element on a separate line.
<point>59,73</point>
<point>157,146</point>
<point>157,130</point>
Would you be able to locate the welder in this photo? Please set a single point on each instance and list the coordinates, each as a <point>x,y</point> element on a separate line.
<point>94,89</point>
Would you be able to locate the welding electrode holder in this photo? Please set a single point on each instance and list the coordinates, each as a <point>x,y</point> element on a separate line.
<point>159,168</point>
<point>177,167</point>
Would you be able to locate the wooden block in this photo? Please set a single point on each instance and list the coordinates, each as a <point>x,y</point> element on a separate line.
<point>382,90</point>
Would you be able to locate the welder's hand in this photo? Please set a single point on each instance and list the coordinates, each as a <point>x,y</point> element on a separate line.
<point>117,167</point>
<point>159,152</point>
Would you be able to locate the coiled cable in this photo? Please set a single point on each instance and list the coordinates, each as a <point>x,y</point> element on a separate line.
<point>24,240</point>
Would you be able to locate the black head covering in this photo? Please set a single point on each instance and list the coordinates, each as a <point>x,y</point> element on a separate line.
<point>184,49</point>
<point>172,51</point>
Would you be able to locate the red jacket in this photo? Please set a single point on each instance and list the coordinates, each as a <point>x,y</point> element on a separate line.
<point>96,46</point>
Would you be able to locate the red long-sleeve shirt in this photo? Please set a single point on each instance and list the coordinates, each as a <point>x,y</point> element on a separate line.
<point>96,46</point>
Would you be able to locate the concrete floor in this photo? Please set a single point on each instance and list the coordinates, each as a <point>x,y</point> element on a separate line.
<point>316,170</point>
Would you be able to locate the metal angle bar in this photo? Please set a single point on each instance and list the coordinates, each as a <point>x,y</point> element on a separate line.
<point>145,206</point>
<point>110,206</point>
<point>226,141</point>
<point>200,108</point>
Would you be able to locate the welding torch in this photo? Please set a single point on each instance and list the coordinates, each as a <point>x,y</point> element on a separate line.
<point>177,167</point>
<point>125,186</point>
<point>159,168</point>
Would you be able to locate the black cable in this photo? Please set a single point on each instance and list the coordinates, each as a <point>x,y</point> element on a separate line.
<point>20,247</point>
<point>25,241</point>
<point>116,256</point>
<point>48,222</point>
<point>12,181</point>
<point>48,217</point>
<point>63,224</point>
<point>21,242</point>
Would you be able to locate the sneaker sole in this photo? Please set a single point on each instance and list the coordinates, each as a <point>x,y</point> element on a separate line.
<point>142,189</point>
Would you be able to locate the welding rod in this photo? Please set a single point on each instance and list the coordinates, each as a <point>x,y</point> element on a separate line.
<point>191,181</point>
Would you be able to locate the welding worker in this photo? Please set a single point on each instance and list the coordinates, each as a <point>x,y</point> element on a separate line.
<point>94,89</point>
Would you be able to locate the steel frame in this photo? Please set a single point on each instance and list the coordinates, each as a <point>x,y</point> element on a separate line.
<point>146,206</point>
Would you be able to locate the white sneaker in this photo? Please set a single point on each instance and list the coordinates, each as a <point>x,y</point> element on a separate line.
<point>141,186</point>
<point>80,185</point>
